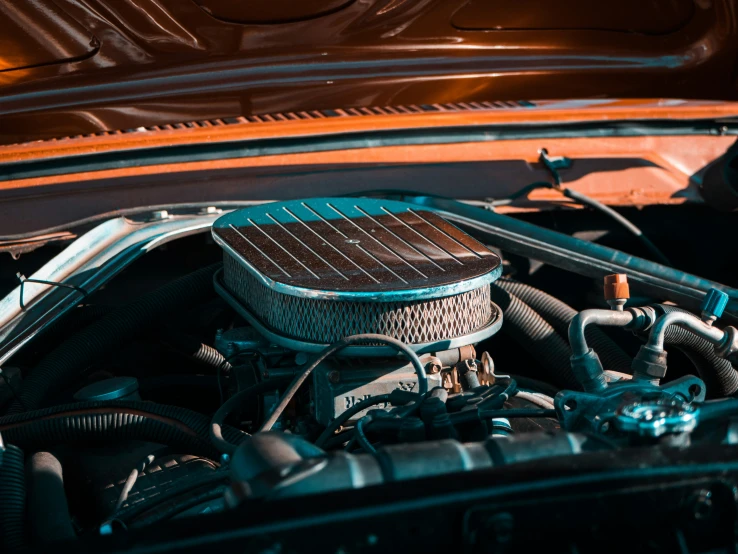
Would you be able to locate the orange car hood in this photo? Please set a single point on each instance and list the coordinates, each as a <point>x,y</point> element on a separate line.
<point>70,67</point>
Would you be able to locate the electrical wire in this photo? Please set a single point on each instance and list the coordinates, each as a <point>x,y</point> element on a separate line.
<point>581,198</point>
<point>336,347</point>
<point>348,414</point>
<point>360,435</point>
<point>216,423</point>
<point>624,222</point>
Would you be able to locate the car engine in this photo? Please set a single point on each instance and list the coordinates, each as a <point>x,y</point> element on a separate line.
<point>343,343</point>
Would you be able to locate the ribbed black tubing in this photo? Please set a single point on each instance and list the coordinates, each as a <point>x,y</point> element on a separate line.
<point>559,315</point>
<point>97,422</point>
<point>12,500</point>
<point>67,362</point>
<point>526,327</point>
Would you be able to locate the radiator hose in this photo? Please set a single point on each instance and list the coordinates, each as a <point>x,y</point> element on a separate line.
<point>48,511</point>
<point>559,315</point>
<point>526,327</point>
<point>12,499</point>
<point>67,362</point>
<point>95,422</point>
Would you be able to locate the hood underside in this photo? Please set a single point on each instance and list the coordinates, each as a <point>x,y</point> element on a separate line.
<point>94,65</point>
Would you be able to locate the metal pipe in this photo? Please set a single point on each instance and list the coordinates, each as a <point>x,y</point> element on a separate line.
<point>603,318</point>
<point>571,254</point>
<point>689,321</point>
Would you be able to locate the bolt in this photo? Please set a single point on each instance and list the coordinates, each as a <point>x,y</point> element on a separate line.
<point>210,210</point>
<point>224,459</point>
<point>160,215</point>
<point>334,377</point>
<point>301,358</point>
<point>218,333</point>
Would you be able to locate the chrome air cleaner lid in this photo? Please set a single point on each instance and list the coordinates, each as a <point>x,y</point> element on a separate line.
<point>355,249</point>
<point>309,272</point>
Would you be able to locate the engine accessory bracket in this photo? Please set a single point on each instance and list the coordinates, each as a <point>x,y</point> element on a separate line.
<point>585,411</point>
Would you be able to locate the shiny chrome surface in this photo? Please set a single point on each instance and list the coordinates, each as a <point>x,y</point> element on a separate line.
<point>89,262</point>
<point>355,249</point>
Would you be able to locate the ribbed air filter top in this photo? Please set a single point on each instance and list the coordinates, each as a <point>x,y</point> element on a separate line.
<point>309,272</point>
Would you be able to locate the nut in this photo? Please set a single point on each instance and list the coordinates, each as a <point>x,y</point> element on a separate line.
<point>649,363</point>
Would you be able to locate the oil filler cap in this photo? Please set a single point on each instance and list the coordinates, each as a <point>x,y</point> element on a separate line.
<point>116,388</point>
<point>654,418</point>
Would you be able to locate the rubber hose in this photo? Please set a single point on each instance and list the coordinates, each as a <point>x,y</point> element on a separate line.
<point>719,375</point>
<point>67,362</point>
<point>48,511</point>
<point>559,315</point>
<point>12,500</point>
<point>115,420</point>
<point>199,352</point>
<point>217,439</point>
<point>535,335</point>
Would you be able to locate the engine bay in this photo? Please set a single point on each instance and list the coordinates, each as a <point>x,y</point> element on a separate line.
<point>325,345</point>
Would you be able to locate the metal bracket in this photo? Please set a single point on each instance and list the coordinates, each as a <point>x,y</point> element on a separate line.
<point>581,411</point>
<point>553,164</point>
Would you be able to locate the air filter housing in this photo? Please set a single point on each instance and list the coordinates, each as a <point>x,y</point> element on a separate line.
<point>308,272</point>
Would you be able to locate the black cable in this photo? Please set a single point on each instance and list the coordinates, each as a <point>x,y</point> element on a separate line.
<point>360,435</point>
<point>340,345</point>
<point>216,423</point>
<point>624,222</point>
<point>583,199</point>
<point>348,414</point>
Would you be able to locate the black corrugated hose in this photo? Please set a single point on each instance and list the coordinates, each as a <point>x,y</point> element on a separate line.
<point>559,315</point>
<point>536,335</point>
<point>87,422</point>
<point>68,361</point>
<point>48,511</point>
<point>719,375</point>
<point>12,500</point>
